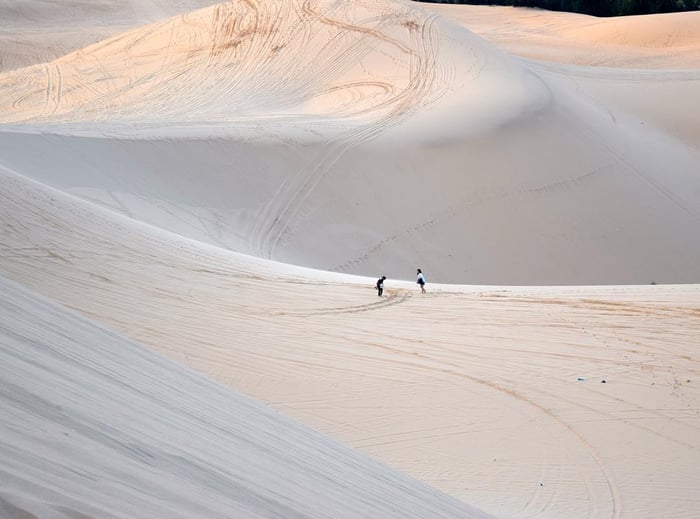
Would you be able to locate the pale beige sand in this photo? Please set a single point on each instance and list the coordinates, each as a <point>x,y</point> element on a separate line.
<point>474,390</point>
<point>368,138</point>
<point>36,32</point>
<point>94,425</point>
<point>651,45</point>
<point>408,142</point>
<point>662,41</point>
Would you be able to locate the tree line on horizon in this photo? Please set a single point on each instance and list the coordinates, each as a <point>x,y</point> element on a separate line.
<point>592,7</point>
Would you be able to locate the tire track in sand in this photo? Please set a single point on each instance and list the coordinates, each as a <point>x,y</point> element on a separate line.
<point>53,89</point>
<point>395,297</point>
<point>276,221</point>
<point>456,371</point>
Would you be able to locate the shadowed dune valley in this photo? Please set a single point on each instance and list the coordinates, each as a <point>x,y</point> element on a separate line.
<point>197,199</point>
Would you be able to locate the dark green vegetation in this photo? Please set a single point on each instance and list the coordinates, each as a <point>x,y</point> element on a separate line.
<point>593,7</point>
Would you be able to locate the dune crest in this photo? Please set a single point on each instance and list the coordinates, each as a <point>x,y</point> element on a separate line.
<point>237,61</point>
<point>658,41</point>
<point>664,31</point>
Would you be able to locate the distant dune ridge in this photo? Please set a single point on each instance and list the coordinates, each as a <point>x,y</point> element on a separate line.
<point>663,41</point>
<point>37,32</point>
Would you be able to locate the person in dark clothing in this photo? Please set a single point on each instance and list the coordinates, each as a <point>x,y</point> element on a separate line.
<point>380,286</point>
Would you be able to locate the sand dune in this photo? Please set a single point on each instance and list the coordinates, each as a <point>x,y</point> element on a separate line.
<point>473,390</point>
<point>38,32</point>
<point>661,41</point>
<point>96,426</point>
<point>306,120</point>
<point>365,137</point>
<point>235,61</point>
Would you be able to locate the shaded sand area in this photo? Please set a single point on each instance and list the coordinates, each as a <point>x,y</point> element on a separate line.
<point>645,66</point>
<point>147,181</point>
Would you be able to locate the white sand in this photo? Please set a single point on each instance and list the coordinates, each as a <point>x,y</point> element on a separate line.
<point>471,389</point>
<point>96,426</point>
<point>409,141</point>
<point>660,41</point>
<point>644,66</point>
<point>374,138</point>
<point>36,32</point>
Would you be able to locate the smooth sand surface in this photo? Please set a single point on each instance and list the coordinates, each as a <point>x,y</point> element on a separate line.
<point>661,41</point>
<point>474,390</point>
<point>37,32</point>
<point>367,138</point>
<point>97,426</point>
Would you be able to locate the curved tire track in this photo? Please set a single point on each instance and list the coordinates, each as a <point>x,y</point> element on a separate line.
<point>279,217</point>
<point>396,297</point>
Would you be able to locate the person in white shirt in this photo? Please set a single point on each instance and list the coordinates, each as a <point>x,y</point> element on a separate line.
<point>421,281</point>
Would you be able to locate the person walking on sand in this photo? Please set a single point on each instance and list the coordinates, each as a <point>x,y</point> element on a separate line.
<point>421,280</point>
<point>380,286</point>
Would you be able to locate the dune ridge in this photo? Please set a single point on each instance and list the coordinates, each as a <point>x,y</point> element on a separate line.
<point>234,61</point>
<point>36,33</point>
<point>660,41</point>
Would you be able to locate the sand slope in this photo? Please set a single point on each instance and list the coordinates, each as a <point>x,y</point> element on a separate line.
<point>96,426</point>
<point>473,390</point>
<point>36,32</point>
<point>660,41</point>
<point>364,138</point>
